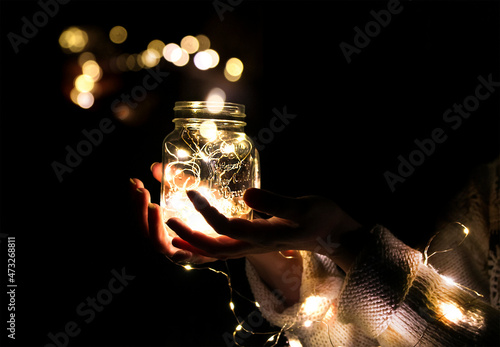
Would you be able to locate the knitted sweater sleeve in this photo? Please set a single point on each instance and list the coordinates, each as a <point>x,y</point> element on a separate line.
<point>391,296</point>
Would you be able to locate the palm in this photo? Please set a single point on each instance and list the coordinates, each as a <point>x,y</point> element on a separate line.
<point>297,224</point>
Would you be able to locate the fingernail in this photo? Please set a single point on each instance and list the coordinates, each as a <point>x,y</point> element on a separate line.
<point>133,182</point>
<point>197,199</point>
<point>151,206</point>
<point>151,167</point>
<point>140,190</point>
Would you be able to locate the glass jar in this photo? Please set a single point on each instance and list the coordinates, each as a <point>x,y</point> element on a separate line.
<point>209,152</point>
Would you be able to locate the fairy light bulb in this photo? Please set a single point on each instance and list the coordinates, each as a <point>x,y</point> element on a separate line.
<point>208,152</point>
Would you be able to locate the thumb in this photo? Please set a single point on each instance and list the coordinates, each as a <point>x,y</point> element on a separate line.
<point>273,204</point>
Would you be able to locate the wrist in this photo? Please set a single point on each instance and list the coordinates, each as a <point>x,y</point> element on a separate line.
<point>350,244</point>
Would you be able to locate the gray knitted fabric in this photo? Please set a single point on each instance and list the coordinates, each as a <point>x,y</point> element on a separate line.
<point>392,297</point>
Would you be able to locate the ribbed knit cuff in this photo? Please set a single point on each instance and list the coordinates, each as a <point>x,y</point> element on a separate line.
<point>378,282</point>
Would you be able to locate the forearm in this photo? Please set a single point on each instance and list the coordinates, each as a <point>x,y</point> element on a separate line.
<point>283,275</point>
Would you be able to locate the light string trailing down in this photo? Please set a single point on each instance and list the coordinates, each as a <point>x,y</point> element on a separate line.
<point>449,311</point>
<point>274,335</point>
<point>426,256</point>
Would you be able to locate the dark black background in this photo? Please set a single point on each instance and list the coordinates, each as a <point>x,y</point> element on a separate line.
<point>353,121</point>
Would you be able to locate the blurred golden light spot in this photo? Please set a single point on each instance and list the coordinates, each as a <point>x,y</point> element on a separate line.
<point>203,42</point>
<point>139,62</point>
<point>85,56</point>
<point>231,78</point>
<point>123,112</point>
<point>132,63</point>
<point>73,95</point>
<point>215,57</point>
<point>150,57</point>
<point>172,52</point>
<point>216,98</point>
<point>234,67</point>
<point>183,59</point>
<point>157,46</point>
<point>190,44</point>
<point>203,60</point>
<point>118,34</point>
<point>121,62</point>
<point>85,100</point>
<point>208,129</point>
<point>73,39</point>
<point>84,83</point>
<point>92,69</point>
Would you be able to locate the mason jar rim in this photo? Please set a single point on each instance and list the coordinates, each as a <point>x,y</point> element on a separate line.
<point>211,108</point>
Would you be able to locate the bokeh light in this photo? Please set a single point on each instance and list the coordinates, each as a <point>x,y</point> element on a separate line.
<point>73,39</point>
<point>234,67</point>
<point>172,52</point>
<point>215,100</point>
<point>84,83</point>
<point>92,69</point>
<point>183,58</point>
<point>157,46</point>
<point>85,56</point>
<point>215,57</point>
<point>85,100</point>
<point>203,42</point>
<point>203,60</point>
<point>150,57</point>
<point>118,34</point>
<point>190,44</point>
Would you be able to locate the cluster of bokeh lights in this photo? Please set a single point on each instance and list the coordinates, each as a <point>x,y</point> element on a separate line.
<point>190,48</point>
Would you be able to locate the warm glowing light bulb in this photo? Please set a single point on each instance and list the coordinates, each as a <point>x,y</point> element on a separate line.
<point>239,327</point>
<point>231,306</point>
<point>312,304</point>
<point>448,280</point>
<point>181,154</point>
<point>451,312</point>
<point>308,323</point>
<point>188,267</point>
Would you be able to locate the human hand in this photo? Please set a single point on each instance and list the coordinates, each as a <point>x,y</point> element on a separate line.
<point>152,225</point>
<point>308,223</point>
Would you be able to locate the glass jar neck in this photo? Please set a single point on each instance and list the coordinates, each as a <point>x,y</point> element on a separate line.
<point>220,124</point>
<point>225,111</point>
